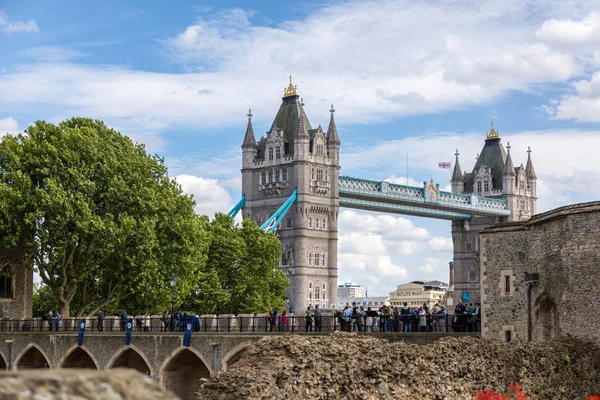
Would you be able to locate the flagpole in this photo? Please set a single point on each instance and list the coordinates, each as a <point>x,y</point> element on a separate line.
<point>406,168</point>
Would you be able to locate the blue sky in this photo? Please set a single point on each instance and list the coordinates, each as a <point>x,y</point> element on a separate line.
<point>406,77</point>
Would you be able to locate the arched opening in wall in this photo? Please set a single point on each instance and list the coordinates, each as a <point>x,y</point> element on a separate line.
<point>131,359</point>
<point>32,359</point>
<point>235,358</point>
<point>79,358</point>
<point>6,283</point>
<point>2,363</point>
<point>184,374</point>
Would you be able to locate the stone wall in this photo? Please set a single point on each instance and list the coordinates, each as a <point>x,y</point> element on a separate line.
<point>563,247</point>
<point>20,305</point>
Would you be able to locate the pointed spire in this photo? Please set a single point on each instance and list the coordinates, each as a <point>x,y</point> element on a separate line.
<point>301,129</point>
<point>509,168</point>
<point>249,139</point>
<point>457,173</point>
<point>493,133</point>
<point>529,168</point>
<point>332,136</point>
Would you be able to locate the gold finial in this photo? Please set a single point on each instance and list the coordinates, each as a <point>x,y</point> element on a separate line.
<point>291,90</point>
<point>493,133</point>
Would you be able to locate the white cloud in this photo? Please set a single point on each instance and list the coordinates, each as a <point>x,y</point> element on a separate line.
<point>583,106</point>
<point>571,34</point>
<point>390,226</point>
<point>439,243</point>
<point>8,125</point>
<point>209,194</point>
<point>9,27</point>
<point>434,267</point>
<point>414,57</point>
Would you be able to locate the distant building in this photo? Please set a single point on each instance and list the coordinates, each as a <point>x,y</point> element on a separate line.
<point>416,293</point>
<point>350,291</point>
<point>373,302</point>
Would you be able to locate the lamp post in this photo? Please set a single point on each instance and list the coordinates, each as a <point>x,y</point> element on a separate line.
<point>173,284</point>
<point>9,342</point>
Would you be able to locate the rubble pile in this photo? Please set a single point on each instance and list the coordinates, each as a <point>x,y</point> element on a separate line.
<point>347,366</point>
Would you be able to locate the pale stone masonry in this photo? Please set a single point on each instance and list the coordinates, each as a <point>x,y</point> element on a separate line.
<point>563,247</point>
<point>294,155</point>
<point>493,176</point>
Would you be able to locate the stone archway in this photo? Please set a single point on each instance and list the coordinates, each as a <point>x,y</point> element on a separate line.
<point>78,357</point>
<point>31,358</point>
<point>234,354</point>
<point>184,372</point>
<point>131,358</point>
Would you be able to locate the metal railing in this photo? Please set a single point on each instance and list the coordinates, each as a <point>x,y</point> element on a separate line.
<point>247,324</point>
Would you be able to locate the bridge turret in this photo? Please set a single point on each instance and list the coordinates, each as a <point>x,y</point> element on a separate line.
<point>531,183</point>
<point>333,141</point>
<point>301,136</point>
<point>509,182</point>
<point>249,148</point>
<point>458,182</point>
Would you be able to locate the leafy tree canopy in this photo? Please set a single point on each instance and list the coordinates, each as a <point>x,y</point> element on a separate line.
<point>241,274</point>
<point>100,219</point>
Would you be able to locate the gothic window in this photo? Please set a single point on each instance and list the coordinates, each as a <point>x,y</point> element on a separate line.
<point>324,260</point>
<point>284,175</point>
<point>284,259</point>
<point>320,150</point>
<point>319,174</point>
<point>6,284</point>
<point>277,152</point>
<point>288,222</point>
<point>310,295</point>
<point>312,173</point>
<point>478,187</point>
<point>270,154</point>
<point>324,223</point>
<point>323,289</point>
<point>264,177</point>
<point>271,176</point>
<point>317,259</point>
<point>327,175</point>
<point>310,261</point>
<point>317,223</point>
<point>310,285</point>
<point>468,245</point>
<point>486,186</point>
<point>309,222</point>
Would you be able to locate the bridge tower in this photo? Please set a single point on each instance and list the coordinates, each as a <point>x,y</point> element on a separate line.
<point>493,176</point>
<point>294,155</point>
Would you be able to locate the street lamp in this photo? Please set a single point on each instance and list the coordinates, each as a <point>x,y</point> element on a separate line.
<point>173,284</point>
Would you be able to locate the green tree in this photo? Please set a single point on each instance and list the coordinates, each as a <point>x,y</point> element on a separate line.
<point>241,274</point>
<point>43,301</point>
<point>101,220</point>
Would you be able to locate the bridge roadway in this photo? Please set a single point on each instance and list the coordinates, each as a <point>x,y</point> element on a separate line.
<point>162,356</point>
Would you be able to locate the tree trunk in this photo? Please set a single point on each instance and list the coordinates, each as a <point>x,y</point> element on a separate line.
<point>65,308</point>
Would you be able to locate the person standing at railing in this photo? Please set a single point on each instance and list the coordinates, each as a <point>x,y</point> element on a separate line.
<point>308,320</point>
<point>123,322</point>
<point>459,316</point>
<point>100,321</point>
<point>318,316</point>
<point>284,321</point>
<point>369,320</point>
<point>405,318</point>
<point>422,319</point>
<point>57,319</point>
<point>361,319</point>
<point>273,319</point>
<point>50,319</point>
<point>348,318</point>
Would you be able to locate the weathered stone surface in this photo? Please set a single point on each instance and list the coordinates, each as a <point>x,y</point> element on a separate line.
<point>563,247</point>
<point>348,366</point>
<point>80,385</point>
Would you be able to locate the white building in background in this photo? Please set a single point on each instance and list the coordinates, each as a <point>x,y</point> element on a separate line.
<point>417,293</point>
<point>373,302</point>
<point>350,291</point>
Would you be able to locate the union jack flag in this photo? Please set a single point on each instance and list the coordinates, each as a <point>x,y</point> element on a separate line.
<point>445,165</point>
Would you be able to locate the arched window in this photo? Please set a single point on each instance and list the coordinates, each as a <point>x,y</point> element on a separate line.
<point>277,152</point>
<point>324,223</point>
<point>270,153</point>
<point>288,222</point>
<point>310,285</point>
<point>309,222</point>
<point>323,288</point>
<point>317,223</point>
<point>6,283</point>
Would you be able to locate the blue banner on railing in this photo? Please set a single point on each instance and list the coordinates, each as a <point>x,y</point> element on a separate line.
<point>128,329</point>
<point>187,336</point>
<point>81,332</point>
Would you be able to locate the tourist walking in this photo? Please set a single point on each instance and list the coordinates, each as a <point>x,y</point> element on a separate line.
<point>284,321</point>
<point>100,321</point>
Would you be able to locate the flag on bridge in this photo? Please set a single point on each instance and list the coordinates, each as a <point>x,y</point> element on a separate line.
<point>445,165</point>
<point>128,329</point>
<point>187,336</point>
<point>81,332</point>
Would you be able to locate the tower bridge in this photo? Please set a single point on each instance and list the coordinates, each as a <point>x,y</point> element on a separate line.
<point>291,186</point>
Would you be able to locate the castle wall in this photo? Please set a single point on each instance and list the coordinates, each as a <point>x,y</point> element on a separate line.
<point>563,246</point>
<point>20,305</point>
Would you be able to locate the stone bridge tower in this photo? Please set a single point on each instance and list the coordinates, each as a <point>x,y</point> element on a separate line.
<point>493,176</point>
<point>294,155</point>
